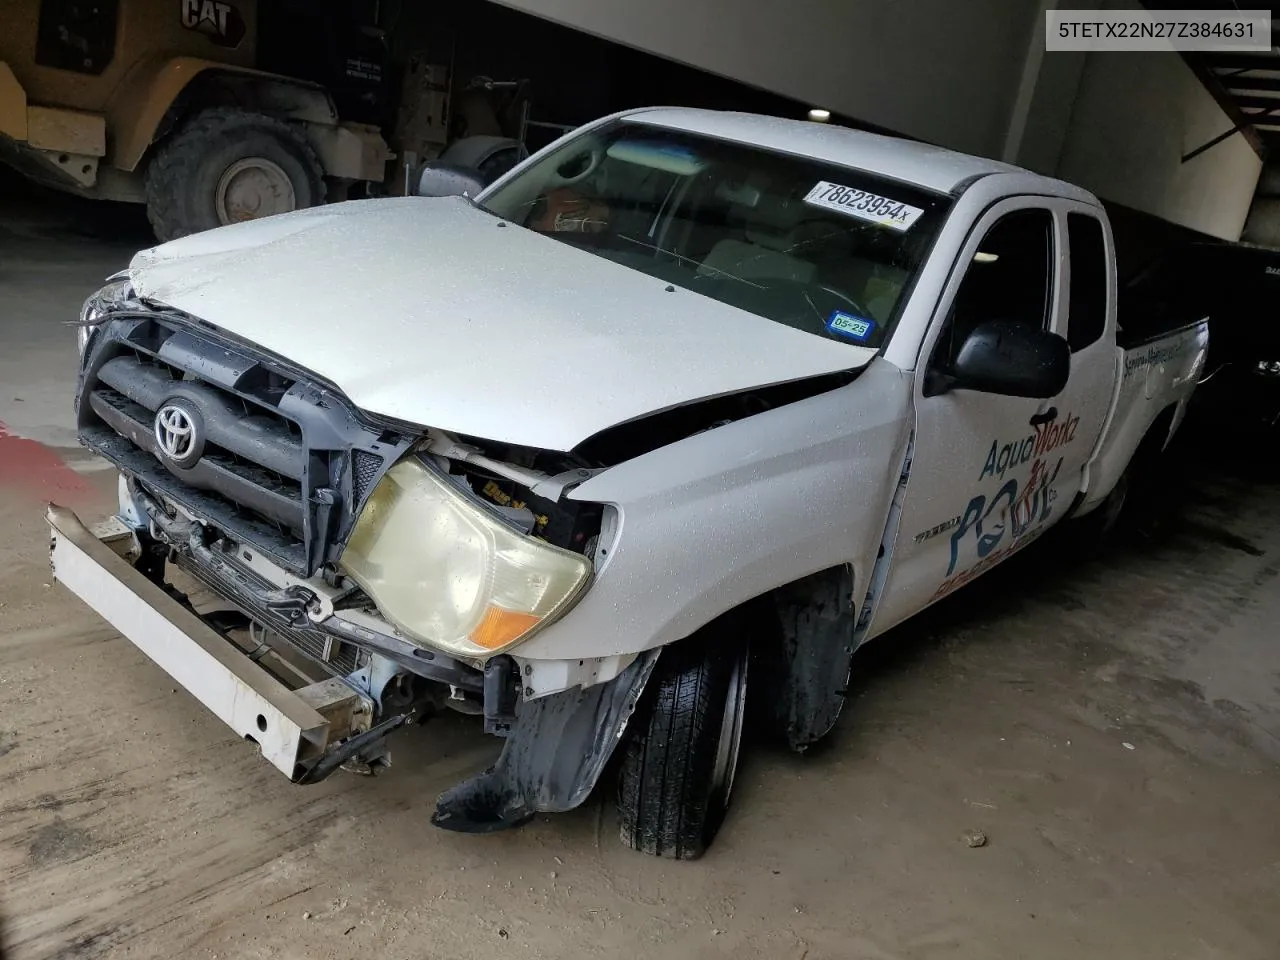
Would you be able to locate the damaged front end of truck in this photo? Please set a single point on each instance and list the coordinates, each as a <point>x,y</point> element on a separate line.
<point>427,454</point>
<point>320,577</point>
<point>309,549</point>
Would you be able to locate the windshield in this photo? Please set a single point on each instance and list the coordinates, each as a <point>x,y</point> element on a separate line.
<point>822,248</point>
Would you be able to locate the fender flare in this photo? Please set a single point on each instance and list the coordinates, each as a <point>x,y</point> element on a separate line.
<point>137,112</point>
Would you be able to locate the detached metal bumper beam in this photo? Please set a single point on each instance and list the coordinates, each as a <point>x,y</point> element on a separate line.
<point>290,731</point>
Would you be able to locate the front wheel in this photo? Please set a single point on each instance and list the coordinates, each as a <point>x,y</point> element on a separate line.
<point>678,764</point>
<point>227,165</point>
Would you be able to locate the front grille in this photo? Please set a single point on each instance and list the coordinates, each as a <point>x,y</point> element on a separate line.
<point>367,469</point>
<point>235,478</point>
<point>278,460</point>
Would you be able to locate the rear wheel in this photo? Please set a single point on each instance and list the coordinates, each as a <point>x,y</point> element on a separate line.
<point>225,166</point>
<point>1092,533</point>
<point>679,762</point>
<point>1141,499</point>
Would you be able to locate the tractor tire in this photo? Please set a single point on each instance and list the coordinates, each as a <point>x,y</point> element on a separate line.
<point>678,763</point>
<point>226,165</point>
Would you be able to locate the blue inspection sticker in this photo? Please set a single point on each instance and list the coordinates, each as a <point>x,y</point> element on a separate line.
<point>851,326</point>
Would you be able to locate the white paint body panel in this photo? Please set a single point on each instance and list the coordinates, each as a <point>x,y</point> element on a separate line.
<point>960,434</point>
<point>1154,377</point>
<point>434,312</point>
<point>729,514</point>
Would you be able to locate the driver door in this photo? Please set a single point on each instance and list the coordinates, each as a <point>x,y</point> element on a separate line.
<point>978,487</point>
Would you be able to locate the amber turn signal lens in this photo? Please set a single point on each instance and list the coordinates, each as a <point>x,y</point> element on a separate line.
<point>500,628</point>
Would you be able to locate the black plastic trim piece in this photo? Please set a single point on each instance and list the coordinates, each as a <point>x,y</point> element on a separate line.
<point>552,757</point>
<point>261,437</point>
<point>283,444</point>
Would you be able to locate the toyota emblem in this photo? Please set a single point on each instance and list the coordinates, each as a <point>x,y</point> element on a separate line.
<point>176,434</point>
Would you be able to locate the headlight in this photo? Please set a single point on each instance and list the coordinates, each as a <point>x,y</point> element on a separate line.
<point>117,291</point>
<point>451,575</point>
<point>1268,368</point>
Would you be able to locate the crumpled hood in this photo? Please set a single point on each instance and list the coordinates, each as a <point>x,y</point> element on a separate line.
<point>434,312</point>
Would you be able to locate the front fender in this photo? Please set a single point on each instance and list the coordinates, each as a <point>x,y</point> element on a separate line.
<point>730,514</point>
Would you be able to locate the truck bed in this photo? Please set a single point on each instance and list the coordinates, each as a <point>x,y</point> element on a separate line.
<point>1157,373</point>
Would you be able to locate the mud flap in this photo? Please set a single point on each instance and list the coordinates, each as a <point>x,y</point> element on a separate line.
<point>552,759</point>
<point>817,621</point>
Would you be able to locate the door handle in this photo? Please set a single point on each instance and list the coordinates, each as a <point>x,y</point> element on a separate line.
<point>1048,416</point>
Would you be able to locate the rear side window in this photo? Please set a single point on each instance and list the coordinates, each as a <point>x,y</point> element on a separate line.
<point>1088,305</point>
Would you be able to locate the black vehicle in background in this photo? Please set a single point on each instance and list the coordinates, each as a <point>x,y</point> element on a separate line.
<point>1237,287</point>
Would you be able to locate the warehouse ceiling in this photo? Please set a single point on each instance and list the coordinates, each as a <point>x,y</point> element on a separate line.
<point>1246,84</point>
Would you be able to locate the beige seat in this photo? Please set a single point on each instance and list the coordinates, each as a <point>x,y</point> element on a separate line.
<point>764,251</point>
<point>778,244</point>
<point>752,260</point>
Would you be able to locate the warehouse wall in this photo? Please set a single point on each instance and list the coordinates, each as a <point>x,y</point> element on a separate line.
<point>1135,116</point>
<point>938,70</point>
<point>973,76</point>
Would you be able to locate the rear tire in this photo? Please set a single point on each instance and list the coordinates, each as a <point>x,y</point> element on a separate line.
<point>678,763</point>
<point>1140,500</point>
<point>226,165</point>
<point>1091,534</point>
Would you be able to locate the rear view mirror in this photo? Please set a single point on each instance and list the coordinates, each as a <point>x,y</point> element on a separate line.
<point>1013,360</point>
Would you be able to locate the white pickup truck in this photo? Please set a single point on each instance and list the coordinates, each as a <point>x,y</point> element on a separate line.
<point>688,396</point>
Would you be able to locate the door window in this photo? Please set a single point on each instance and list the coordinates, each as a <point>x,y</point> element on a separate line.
<point>1010,278</point>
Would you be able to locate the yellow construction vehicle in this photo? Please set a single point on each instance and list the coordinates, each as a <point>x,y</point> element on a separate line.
<point>162,102</point>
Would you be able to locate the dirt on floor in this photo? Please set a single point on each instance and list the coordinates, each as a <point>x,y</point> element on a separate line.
<point>1111,726</point>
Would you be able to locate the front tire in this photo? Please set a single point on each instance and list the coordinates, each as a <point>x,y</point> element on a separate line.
<point>227,165</point>
<point>678,764</point>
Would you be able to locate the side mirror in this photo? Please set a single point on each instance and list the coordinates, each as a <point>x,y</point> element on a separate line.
<point>468,165</point>
<point>1013,360</point>
<point>448,180</point>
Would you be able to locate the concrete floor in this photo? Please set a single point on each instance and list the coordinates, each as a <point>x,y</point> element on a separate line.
<point>1113,727</point>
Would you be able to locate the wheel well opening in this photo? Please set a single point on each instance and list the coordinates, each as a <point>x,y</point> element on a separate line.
<point>281,98</point>
<point>802,642</point>
<point>1158,437</point>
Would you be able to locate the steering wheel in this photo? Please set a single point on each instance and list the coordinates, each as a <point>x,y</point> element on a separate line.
<point>854,306</point>
<point>806,306</point>
<point>816,303</point>
<point>594,158</point>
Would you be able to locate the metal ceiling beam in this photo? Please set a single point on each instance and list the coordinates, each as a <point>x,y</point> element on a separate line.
<point>1241,61</point>
<point>1250,83</point>
<point>1240,121</point>
<point>1255,103</point>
